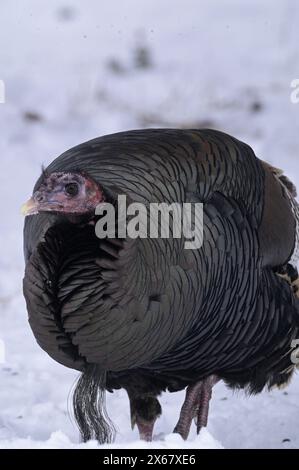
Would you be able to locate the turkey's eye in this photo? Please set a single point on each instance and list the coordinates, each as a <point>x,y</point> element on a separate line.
<point>71,189</point>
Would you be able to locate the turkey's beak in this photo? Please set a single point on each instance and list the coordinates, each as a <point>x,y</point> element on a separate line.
<point>30,207</point>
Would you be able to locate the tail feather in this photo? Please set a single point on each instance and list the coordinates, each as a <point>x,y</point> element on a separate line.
<point>90,407</point>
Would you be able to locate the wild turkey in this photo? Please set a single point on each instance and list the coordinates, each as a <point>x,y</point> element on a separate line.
<point>148,315</point>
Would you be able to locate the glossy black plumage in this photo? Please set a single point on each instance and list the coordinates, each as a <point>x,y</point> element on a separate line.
<point>149,313</point>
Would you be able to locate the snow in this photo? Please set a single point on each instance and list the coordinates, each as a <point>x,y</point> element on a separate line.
<point>72,72</point>
<point>59,440</point>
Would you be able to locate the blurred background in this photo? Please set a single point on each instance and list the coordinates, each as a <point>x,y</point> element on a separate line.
<point>75,70</point>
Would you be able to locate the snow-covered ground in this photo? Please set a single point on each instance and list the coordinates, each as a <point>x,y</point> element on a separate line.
<point>76,70</point>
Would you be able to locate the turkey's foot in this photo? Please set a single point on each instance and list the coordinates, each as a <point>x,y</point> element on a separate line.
<point>196,406</point>
<point>145,410</point>
<point>145,429</point>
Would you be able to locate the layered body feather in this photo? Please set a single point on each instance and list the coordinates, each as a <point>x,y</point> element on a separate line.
<point>148,311</point>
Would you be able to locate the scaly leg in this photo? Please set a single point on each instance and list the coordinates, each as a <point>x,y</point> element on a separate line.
<point>145,410</point>
<point>196,405</point>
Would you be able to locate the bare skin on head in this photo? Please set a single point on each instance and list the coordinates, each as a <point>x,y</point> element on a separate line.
<point>68,193</point>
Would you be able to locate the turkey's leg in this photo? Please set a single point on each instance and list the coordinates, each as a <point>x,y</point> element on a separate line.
<point>145,410</point>
<point>196,405</point>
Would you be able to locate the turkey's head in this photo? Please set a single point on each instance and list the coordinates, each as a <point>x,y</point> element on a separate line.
<point>66,193</point>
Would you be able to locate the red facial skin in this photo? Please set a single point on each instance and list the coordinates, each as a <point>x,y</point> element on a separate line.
<point>67,193</point>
